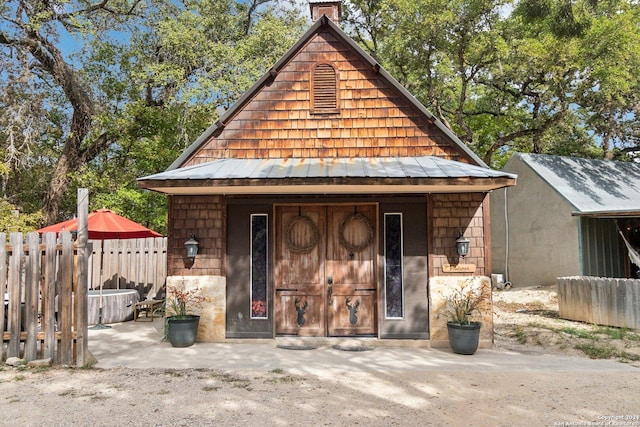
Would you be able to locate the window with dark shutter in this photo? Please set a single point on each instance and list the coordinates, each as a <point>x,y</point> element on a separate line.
<point>324,88</point>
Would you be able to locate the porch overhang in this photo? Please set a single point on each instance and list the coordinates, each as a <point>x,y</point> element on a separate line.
<point>328,176</point>
<point>612,214</point>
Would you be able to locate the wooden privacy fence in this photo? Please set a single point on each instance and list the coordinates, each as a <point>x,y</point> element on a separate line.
<point>139,264</point>
<point>38,318</point>
<point>603,301</point>
<point>45,314</point>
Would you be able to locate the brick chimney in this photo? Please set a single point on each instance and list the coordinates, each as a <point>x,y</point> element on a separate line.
<point>332,9</point>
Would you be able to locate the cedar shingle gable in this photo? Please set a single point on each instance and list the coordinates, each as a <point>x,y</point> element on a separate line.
<point>377,117</point>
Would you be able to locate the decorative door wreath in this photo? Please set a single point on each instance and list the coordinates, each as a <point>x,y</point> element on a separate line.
<point>355,219</point>
<point>304,247</point>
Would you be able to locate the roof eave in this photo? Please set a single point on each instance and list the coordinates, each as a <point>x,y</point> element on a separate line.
<point>623,213</point>
<point>327,185</point>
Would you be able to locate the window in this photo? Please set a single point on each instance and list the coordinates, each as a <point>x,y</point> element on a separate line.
<point>259,263</point>
<point>324,90</point>
<point>393,283</point>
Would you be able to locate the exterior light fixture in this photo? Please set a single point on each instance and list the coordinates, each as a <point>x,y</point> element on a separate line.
<point>192,247</point>
<point>462,246</point>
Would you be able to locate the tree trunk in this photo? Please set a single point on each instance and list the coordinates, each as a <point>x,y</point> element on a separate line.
<point>52,62</point>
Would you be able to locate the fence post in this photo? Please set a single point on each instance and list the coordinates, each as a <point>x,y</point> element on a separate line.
<point>82,287</point>
<point>32,295</point>
<point>49,295</point>
<point>65,299</point>
<point>15,268</point>
<point>3,282</point>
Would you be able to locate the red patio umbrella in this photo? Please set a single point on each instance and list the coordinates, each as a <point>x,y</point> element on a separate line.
<point>104,224</point>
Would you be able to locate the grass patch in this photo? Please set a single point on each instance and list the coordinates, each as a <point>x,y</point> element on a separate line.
<point>519,334</point>
<point>579,333</point>
<point>613,333</point>
<point>632,336</point>
<point>617,333</point>
<point>630,357</point>
<point>594,351</point>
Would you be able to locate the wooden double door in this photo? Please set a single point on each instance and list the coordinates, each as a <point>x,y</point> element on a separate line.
<point>325,264</point>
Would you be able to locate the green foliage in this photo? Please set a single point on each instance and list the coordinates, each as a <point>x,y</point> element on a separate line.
<point>595,351</point>
<point>156,76</point>
<point>12,220</point>
<point>547,76</point>
<point>520,335</point>
<point>580,333</point>
<point>544,76</point>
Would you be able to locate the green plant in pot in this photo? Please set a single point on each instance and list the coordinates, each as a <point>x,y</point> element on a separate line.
<point>181,327</point>
<point>460,305</point>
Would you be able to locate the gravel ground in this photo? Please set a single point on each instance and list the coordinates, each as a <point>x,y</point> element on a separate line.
<point>281,397</point>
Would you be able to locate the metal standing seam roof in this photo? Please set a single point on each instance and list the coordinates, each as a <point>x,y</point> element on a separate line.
<point>593,187</point>
<point>362,167</point>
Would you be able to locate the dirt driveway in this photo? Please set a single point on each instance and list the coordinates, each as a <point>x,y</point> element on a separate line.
<point>530,379</point>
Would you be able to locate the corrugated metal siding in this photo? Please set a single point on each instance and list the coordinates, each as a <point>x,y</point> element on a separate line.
<point>603,253</point>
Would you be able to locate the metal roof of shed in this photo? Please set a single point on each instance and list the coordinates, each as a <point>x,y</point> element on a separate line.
<point>330,176</point>
<point>593,187</point>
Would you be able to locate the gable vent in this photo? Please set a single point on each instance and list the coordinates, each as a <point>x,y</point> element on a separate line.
<point>325,89</point>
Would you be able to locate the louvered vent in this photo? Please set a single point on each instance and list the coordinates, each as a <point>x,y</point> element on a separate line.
<point>325,92</point>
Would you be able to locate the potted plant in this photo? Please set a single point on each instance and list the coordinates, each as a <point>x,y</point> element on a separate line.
<point>461,303</point>
<point>181,324</point>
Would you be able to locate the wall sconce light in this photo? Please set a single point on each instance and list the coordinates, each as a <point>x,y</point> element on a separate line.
<point>462,246</point>
<point>192,247</point>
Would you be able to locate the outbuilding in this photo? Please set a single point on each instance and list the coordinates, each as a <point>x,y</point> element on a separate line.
<point>568,216</point>
<point>327,202</point>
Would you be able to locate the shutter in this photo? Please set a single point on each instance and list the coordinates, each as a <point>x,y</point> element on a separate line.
<point>325,94</point>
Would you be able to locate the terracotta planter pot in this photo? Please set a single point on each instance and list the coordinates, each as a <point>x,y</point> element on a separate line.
<point>464,339</point>
<point>182,332</point>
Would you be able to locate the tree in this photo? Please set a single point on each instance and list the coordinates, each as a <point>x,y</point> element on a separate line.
<point>533,75</point>
<point>177,78</point>
<point>30,32</point>
<point>12,220</point>
<point>146,78</point>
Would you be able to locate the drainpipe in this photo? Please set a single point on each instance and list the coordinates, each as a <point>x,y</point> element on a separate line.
<point>506,236</point>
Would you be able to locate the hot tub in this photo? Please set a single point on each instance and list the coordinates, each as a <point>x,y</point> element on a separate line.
<point>117,305</point>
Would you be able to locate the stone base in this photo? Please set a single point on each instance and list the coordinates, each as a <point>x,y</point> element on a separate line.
<point>439,288</point>
<point>212,327</point>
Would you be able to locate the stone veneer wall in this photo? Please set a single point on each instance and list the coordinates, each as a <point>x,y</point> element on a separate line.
<point>212,325</point>
<point>440,287</point>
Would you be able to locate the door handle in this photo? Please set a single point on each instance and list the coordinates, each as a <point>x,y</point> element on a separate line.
<point>329,294</point>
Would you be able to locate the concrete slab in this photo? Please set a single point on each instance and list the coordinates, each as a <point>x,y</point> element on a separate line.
<point>141,345</point>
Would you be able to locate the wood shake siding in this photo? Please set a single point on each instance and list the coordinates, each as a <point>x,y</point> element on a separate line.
<point>204,216</point>
<point>372,120</point>
<point>449,215</point>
